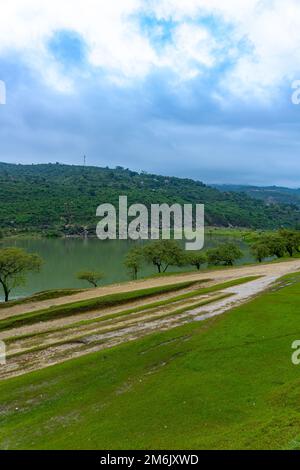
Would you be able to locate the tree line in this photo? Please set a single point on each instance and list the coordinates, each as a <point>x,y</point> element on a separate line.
<point>165,253</point>
<point>279,244</point>
<point>16,263</point>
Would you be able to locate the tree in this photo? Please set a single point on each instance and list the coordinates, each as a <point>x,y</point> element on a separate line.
<point>196,258</point>
<point>133,261</point>
<point>90,276</point>
<point>275,244</point>
<point>15,263</point>
<point>260,251</point>
<point>291,240</point>
<point>164,253</point>
<point>225,254</point>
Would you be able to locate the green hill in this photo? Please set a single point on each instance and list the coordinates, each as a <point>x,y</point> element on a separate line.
<point>268,194</point>
<point>64,198</point>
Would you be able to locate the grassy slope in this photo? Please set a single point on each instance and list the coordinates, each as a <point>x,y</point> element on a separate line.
<point>113,300</point>
<point>65,310</point>
<point>225,383</point>
<point>44,295</point>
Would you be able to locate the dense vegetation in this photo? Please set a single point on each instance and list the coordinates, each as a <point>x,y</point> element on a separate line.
<point>268,194</point>
<point>279,244</point>
<point>230,380</point>
<point>55,199</point>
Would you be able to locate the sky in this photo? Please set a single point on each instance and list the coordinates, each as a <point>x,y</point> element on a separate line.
<point>190,88</point>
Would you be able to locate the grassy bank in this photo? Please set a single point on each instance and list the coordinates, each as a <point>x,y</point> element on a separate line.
<point>114,325</point>
<point>44,295</point>
<point>148,307</point>
<point>224,383</point>
<point>117,299</point>
<point>74,308</point>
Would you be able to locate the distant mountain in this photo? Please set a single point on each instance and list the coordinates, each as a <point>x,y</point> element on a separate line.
<point>268,194</point>
<point>59,198</point>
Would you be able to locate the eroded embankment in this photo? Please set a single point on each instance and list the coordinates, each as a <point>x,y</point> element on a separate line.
<point>31,347</point>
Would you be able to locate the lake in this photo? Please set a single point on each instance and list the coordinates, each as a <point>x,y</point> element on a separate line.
<point>63,258</point>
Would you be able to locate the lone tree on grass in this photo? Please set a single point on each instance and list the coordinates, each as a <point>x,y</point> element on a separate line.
<point>291,240</point>
<point>164,253</point>
<point>15,263</point>
<point>274,244</point>
<point>133,261</point>
<point>225,254</point>
<point>196,258</point>
<point>91,277</point>
<point>260,251</point>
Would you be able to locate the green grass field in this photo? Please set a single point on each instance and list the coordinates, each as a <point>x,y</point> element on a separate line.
<point>227,382</point>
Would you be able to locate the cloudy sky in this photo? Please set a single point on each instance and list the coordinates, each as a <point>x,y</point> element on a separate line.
<point>197,88</point>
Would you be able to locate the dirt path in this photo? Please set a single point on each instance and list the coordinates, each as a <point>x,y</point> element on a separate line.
<point>276,269</point>
<point>241,294</point>
<point>92,315</point>
<point>102,336</point>
<point>49,337</point>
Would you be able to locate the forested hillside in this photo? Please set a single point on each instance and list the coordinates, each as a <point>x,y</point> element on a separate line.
<point>56,198</point>
<point>268,194</point>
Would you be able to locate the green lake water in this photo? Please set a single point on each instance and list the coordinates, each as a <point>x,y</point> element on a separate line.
<point>63,258</point>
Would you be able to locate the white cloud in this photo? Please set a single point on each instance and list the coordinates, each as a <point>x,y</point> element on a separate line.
<point>273,33</point>
<point>230,10</point>
<point>118,45</point>
<point>270,28</point>
<point>192,49</point>
<point>107,28</point>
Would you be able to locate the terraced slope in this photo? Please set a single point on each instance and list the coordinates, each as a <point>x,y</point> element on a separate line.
<point>33,346</point>
<point>46,336</point>
<point>224,383</point>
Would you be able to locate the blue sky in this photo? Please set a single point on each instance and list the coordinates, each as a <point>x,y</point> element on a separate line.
<point>193,88</point>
